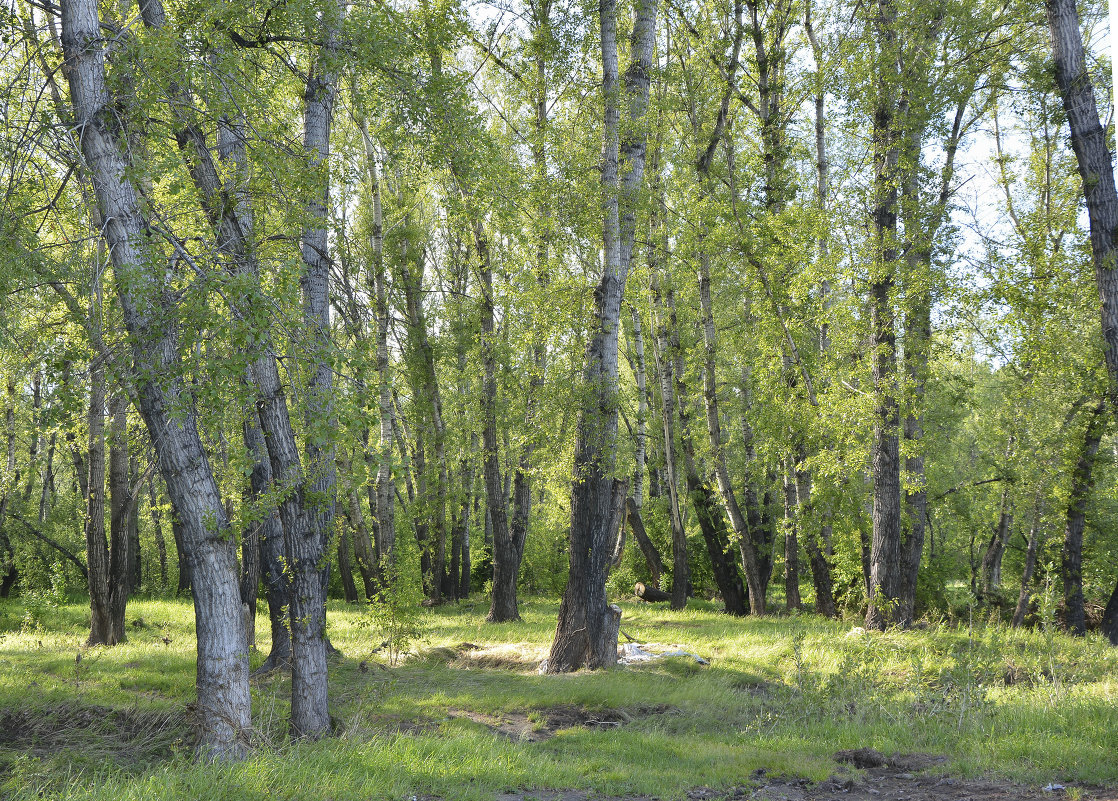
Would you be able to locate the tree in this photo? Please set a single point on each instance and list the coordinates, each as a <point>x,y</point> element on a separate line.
<point>587,630</point>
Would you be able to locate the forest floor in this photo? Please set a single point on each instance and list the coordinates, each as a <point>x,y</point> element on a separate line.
<point>788,707</point>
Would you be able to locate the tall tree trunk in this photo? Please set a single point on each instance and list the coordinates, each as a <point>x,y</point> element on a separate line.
<point>508,543</point>
<point>886,462</point>
<point>96,547</point>
<point>306,550</point>
<point>381,491</point>
<point>223,704</point>
<point>586,633</point>
<point>1082,482</point>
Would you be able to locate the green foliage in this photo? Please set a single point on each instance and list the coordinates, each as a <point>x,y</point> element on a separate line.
<point>393,615</point>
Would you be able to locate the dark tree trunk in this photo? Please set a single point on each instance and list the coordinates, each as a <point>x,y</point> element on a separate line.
<point>277,588</point>
<point>11,477</point>
<point>791,544</point>
<point>1030,566</point>
<point>120,561</point>
<point>995,550</point>
<point>97,548</point>
<point>1082,482</point>
<point>1110,618</point>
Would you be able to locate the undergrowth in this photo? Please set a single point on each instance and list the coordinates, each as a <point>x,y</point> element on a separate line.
<point>780,693</point>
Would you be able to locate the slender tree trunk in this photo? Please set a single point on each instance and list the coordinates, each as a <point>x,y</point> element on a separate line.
<point>97,548</point>
<point>1082,482</point>
<point>157,526</point>
<point>1030,566</point>
<point>345,568</point>
<point>383,503</point>
<point>791,541</point>
<point>11,478</point>
<point>664,367</point>
<point>995,550</point>
<point>508,543</point>
<point>48,479</point>
<point>586,633</point>
<point>120,561</point>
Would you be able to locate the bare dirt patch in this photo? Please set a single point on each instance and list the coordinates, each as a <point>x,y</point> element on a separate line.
<point>542,724</point>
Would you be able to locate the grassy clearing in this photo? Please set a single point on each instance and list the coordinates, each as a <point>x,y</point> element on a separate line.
<point>780,693</point>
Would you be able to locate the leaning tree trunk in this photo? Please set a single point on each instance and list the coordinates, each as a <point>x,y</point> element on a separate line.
<point>586,633</point>
<point>1088,140</point>
<point>648,547</point>
<point>1082,482</point>
<point>223,704</point>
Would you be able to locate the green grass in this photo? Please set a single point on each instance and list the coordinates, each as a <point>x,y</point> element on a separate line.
<point>782,693</point>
